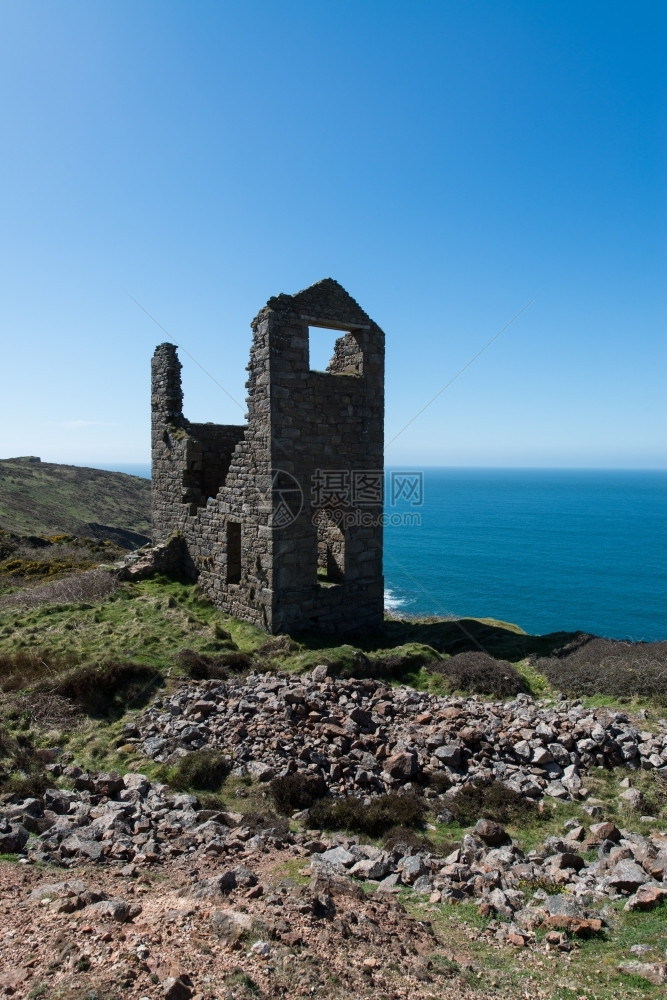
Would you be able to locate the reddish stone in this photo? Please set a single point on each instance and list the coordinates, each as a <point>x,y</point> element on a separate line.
<point>603,831</point>
<point>401,765</point>
<point>470,736</point>
<point>647,897</point>
<point>573,925</point>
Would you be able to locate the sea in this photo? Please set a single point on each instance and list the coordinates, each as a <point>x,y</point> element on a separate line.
<point>545,549</point>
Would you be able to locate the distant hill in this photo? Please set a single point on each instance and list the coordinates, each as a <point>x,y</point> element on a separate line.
<point>43,498</point>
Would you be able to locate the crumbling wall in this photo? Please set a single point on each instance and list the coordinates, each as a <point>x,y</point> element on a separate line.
<point>255,522</point>
<point>189,461</point>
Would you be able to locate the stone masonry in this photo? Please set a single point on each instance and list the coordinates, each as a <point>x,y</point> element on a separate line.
<point>282,519</point>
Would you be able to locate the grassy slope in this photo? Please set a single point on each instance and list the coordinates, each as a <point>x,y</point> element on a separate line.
<point>42,498</point>
<point>149,622</point>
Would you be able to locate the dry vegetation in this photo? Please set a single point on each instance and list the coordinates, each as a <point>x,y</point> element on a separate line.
<point>593,666</point>
<point>476,672</point>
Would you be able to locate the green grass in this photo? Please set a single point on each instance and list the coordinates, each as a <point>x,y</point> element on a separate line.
<point>242,985</point>
<point>589,970</point>
<point>151,621</point>
<point>291,869</point>
<point>41,498</point>
<point>148,622</point>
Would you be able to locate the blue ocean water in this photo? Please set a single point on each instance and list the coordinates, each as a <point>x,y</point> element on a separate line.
<point>545,549</point>
<point>548,549</point>
<point>142,469</point>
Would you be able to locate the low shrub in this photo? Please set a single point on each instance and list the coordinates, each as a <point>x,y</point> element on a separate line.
<point>202,667</point>
<point>478,673</point>
<point>91,585</point>
<point>296,791</point>
<point>590,666</point>
<point>24,667</point>
<point>8,544</point>
<point>373,819</point>
<point>405,659</point>
<point>439,781</point>
<point>31,568</point>
<point>263,822</point>
<point>278,647</point>
<point>406,837</point>
<point>109,689</point>
<point>21,766</point>
<point>491,801</point>
<point>201,770</point>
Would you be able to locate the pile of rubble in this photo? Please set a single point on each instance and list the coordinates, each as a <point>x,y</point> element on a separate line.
<point>131,820</point>
<point>365,738</point>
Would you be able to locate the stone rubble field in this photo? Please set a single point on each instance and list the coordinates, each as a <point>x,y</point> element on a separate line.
<point>129,882</point>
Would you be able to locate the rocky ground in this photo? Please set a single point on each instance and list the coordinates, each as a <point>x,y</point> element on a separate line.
<point>364,737</point>
<point>126,888</point>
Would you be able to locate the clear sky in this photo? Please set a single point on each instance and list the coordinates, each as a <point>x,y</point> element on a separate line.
<point>447,162</point>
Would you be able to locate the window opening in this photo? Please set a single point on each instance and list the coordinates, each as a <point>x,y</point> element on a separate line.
<point>233,552</point>
<point>322,346</point>
<point>330,553</point>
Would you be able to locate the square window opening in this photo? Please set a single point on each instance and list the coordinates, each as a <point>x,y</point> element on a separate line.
<point>322,347</point>
<point>325,356</point>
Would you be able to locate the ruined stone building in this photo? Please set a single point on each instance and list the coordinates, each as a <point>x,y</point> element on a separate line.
<point>281,520</point>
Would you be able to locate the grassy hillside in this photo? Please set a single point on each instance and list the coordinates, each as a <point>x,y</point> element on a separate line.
<point>42,498</point>
<point>82,654</point>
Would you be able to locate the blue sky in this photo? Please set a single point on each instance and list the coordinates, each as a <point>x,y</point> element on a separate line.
<point>447,162</point>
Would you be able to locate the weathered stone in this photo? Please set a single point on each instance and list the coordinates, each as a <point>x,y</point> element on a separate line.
<point>626,876</point>
<point>107,783</point>
<point>565,860</point>
<point>653,972</point>
<point>76,844</point>
<point>230,925</point>
<point>389,884</point>
<point>603,831</point>
<point>401,765</point>
<point>334,884</point>
<point>338,858</point>
<point>13,839</point>
<point>114,909</point>
<point>490,832</point>
<point>217,885</point>
<point>411,868</point>
<point>176,989</point>
<point>368,868</point>
<point>449,754</point>
<point>256,506</point>
<point>647,897</point>
<point>261,771</point>
<point>632,797</point>
<point>563,906</point>
<point>58,800</point>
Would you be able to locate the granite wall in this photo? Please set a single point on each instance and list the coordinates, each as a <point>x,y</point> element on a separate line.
<point>282,518</point>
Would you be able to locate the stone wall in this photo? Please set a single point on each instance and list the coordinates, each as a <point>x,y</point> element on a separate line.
<point>258,489</point>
